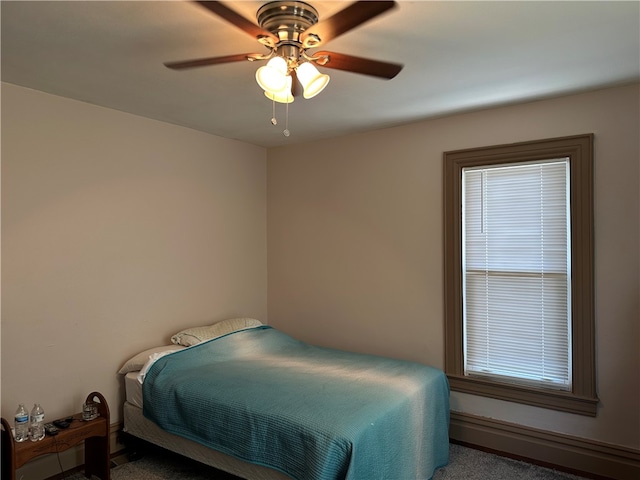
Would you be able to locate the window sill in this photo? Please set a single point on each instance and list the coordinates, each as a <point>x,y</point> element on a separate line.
<point>552,399</point>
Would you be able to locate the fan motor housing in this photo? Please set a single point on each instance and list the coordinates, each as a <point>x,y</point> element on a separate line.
<point>287,19</point>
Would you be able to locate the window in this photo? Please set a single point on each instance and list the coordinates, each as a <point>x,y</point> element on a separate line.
<point>515,275</point>
<point>519,273</point>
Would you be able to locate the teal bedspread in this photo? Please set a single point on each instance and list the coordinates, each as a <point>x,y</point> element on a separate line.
<point>312,413</point>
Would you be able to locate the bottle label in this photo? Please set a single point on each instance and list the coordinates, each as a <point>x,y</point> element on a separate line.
<point>22,418</point>
<point>37,418</point>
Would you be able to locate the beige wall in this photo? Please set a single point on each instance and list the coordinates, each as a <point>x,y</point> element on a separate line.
<point>355,244</point>
<point>117,231</point>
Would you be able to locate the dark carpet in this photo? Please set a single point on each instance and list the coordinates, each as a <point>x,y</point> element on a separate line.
<point>464,464</point>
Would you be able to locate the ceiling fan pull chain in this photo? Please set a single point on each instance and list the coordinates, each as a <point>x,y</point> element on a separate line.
<point>274,121</point>
<point>286,132</point>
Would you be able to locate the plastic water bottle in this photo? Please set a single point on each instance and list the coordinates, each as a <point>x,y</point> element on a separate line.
<point>21,424</point>
<point>36,429</point>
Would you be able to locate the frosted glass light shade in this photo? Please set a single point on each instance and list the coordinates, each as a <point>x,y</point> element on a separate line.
<point>284,96</point>
<point>311,80</point>
<point>273,76</point>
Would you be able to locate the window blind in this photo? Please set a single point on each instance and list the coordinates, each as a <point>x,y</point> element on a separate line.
<point>516,272</point>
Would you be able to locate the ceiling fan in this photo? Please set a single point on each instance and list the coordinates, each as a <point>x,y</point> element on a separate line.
<point>288,29</point>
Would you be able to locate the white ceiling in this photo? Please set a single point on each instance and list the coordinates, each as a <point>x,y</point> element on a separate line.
<point>458,56</point>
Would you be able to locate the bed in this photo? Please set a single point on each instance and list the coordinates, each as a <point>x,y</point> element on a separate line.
<point>259,404</point>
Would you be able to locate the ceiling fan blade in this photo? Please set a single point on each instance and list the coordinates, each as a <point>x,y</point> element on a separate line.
<point>295,84</point>
<point>354,15</point>
<point>365,66</point>
<point>203,62</point>
<point>226,13</point>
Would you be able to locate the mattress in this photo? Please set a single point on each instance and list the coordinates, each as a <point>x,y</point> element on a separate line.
<point>311,412</point>
<point>138,426</point>
<point>137,423</point>
<point>133,389</point>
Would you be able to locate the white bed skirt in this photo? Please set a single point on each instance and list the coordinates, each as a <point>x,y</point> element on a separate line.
<point>137,425</point>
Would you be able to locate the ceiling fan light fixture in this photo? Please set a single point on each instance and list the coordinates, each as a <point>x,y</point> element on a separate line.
<point>272,77</point>
<point>283,96</point>
<point>311,79</point>
<point>288,28</point>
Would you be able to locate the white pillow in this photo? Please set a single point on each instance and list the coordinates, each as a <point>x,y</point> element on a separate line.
<point>152,359</point>
<point>136,362</point>
<point>195,335</point>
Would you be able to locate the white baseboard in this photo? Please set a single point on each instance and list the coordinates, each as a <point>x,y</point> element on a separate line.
<point>598,459</point>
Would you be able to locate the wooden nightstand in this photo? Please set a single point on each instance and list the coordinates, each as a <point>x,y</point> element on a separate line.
<point>94,434</point>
